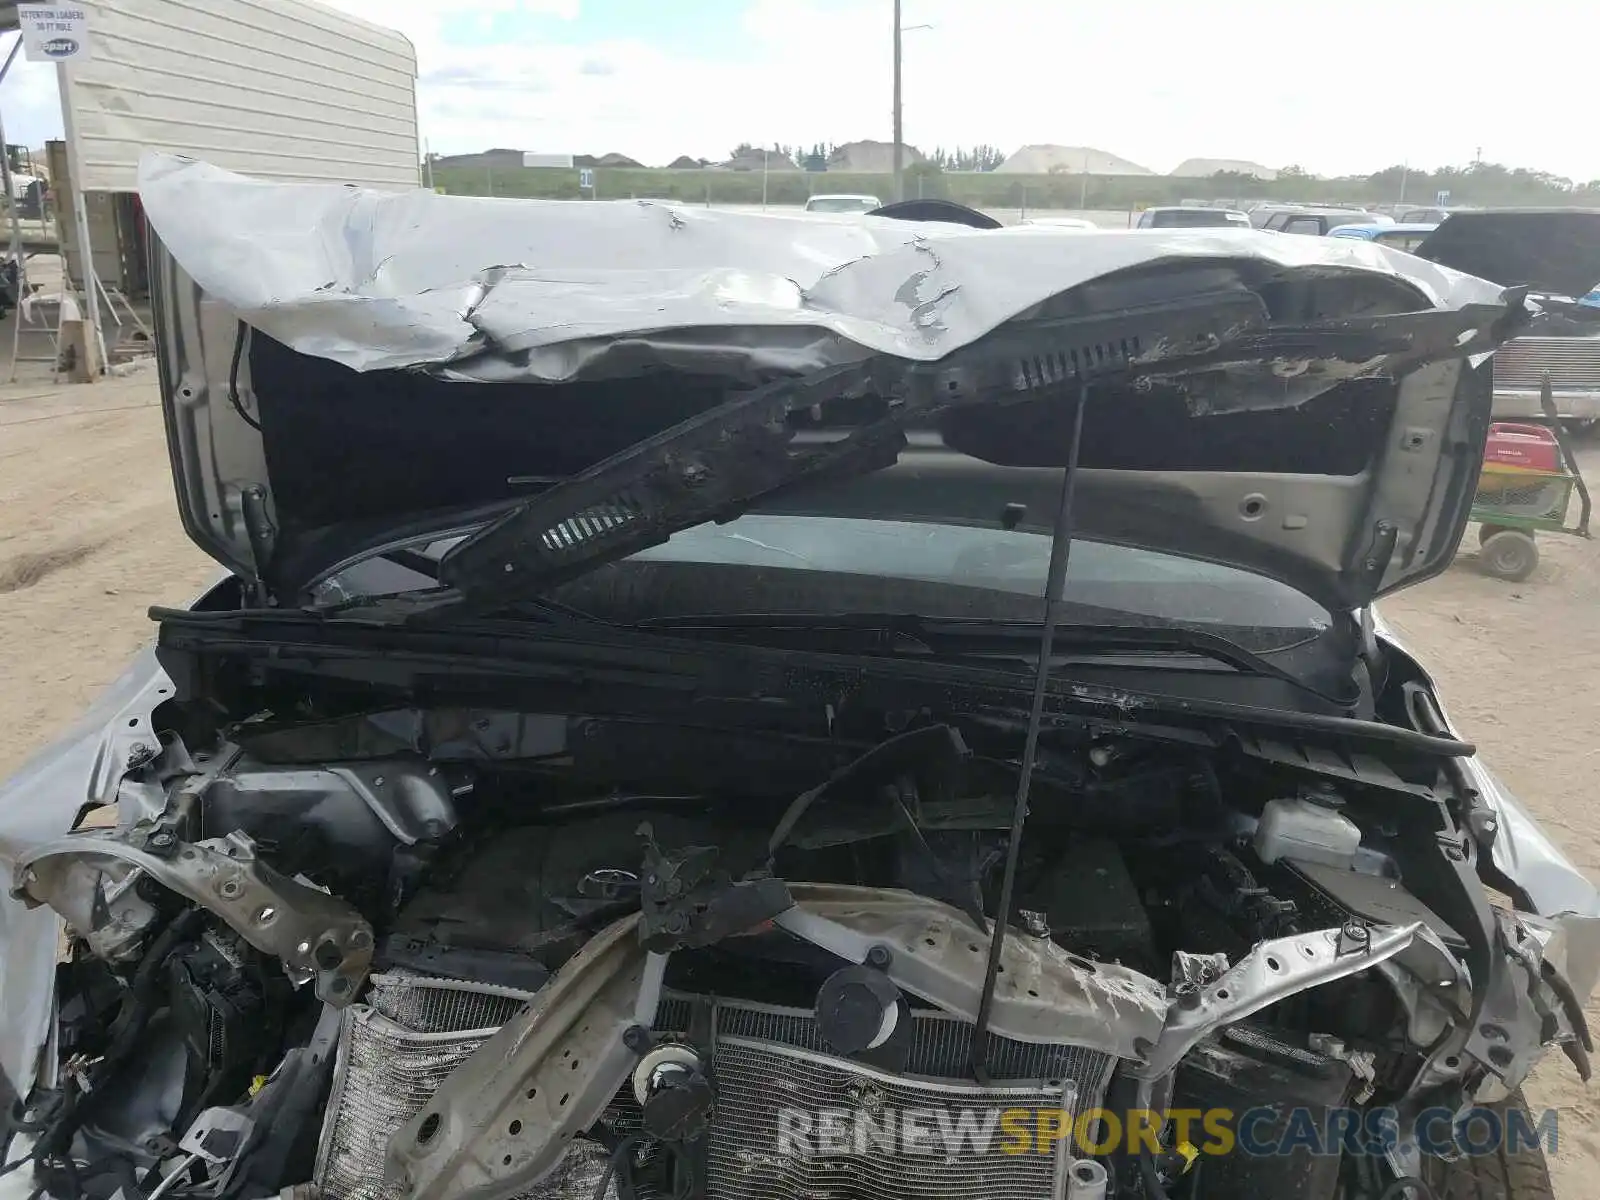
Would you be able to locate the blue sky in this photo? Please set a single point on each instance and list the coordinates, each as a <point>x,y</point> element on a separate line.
<point>1354,88</point>
<point>700,27</point>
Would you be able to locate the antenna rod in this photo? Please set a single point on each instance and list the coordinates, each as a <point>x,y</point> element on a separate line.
<point>1060,551</point>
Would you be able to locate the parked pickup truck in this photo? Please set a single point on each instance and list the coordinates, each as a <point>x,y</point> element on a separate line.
<point>1565,349</point>
<point>1557,346</point>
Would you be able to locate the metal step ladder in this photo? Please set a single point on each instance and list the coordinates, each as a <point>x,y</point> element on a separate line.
<point>116,296</point>
<point>132,336</point>
<point>39,317</point>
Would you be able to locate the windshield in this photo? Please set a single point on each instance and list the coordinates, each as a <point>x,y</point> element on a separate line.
<point>842,204</point>
<point>1192,218</point>
<point>1122,580</point>
<point>829,565</point>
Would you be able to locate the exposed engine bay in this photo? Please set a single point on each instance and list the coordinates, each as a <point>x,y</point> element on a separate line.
<point>534,863</point>
<point>478,953</point>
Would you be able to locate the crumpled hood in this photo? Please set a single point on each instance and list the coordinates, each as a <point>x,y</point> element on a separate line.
<point>543,289</point>
<point>324,350</point>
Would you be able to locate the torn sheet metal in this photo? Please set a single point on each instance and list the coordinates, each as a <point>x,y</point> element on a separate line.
<point>1044,993</point>
<point>505,1116</point>
<point>494,289</point>
<point>91,878</point>
<point>1272,971</point>
<point>80,770</point>
<point>1522,849</point>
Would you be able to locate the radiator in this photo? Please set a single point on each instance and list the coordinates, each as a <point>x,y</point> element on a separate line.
<point>395,1049</point>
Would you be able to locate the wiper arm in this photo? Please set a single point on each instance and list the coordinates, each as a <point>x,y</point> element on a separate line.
<point>719,463</point>
<point>893,633</point>
<point>418,604</point>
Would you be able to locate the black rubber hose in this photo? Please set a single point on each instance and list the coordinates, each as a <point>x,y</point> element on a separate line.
<point>136,1014</point>
<point>1408,1187</point>
<point>1152,1181</point>
<point>126,1031</point>
<point>233,378</point>
<point>618,1164</point>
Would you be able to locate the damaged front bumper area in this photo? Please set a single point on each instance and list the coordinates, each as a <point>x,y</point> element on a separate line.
<point>433,1086</point>
<point>503,1121</point>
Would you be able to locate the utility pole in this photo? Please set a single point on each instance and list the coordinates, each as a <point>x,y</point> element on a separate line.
<point>94,330</point>
<point>899,182</point>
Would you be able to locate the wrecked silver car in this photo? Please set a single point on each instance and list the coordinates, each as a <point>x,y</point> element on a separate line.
<point>632,753</point>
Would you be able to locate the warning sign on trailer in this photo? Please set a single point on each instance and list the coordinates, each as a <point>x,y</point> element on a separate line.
<point>54,32</point>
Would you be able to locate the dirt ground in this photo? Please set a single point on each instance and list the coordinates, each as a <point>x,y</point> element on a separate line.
<point>89,538</point>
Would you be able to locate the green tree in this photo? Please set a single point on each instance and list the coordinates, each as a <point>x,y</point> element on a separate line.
<point>924,180</point>
<point>986,158</point>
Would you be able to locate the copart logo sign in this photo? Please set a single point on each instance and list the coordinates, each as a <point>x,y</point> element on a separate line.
<point>54,32</point>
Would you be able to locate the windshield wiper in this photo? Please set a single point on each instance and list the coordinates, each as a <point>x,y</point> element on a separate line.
<point>721,462</point>
<point>894,634</point>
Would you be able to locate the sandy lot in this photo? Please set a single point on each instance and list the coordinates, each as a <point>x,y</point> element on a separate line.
<point>89,538</point>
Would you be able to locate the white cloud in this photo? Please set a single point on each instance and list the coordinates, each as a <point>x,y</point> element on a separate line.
<point>1354,86</point>
<point>1350,87</point>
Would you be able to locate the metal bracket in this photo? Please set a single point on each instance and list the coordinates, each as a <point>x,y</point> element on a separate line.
<point>688,901</point>
<point>1431,985</point>
<point>258,527</point>
<point>88,878</point>
<point>218,1134</point>
<point>1271,972</point>
<point>503,1119</point>
<point>1043,993</point>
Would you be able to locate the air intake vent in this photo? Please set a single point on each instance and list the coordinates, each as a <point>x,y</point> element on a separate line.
<point>595,524</point>
<point>1043,370</point>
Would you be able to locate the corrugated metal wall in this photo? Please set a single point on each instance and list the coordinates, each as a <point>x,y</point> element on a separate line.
<point>280,89</point>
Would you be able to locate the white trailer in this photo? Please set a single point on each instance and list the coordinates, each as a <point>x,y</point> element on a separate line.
<point>282,89</point>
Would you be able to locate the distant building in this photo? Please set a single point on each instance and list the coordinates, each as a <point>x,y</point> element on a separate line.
<point>484,159</point>
<point>872,158</point>
<point>684,163</point>
<point>1068,160</point>
<point>498,159</point>
<point>1205,168</point>
<point>760,160</point>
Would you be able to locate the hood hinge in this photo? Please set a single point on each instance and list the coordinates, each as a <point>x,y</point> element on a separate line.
<point>263,537</point>
<point>1375,559</point>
